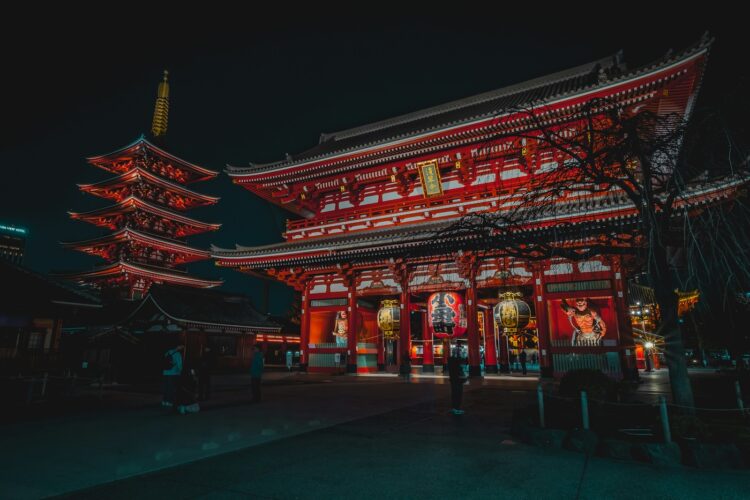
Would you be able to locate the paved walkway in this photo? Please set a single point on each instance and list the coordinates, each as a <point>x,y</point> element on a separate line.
<point>315,437</point>
<point>71,452</point>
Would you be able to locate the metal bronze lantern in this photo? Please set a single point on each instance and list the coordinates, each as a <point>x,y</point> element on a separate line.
<point>389,319</point>
<point>511,314</point>
<point>446,314</point>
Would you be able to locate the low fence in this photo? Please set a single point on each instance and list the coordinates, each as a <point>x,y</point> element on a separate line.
<point>14,361</point>
<point>642,420</point>
<point>28,389</point>
<point>606,362</point>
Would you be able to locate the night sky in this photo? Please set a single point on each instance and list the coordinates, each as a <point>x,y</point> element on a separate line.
<point>253,88</point>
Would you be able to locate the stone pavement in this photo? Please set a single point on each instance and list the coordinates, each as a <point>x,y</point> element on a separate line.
<point>69,452</point>
<point>333,437</point>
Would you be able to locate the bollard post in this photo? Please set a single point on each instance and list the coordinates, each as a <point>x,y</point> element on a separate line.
<point>738,393</point>
<point>44,384</point>
<point>664,419</point>
<point>585,410</point>
<point>540,399</point>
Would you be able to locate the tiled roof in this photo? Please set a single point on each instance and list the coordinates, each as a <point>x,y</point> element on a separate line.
<point>209,306</point>
<point>541,90</point>
<point>27,292</point>
<point>387,241</point>
<point>142,144</point>
<point>156,273</point>
<point>606,210</point>
<point>362,239</point>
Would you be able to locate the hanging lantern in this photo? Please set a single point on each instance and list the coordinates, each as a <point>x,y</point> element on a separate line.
<point>446,314</point>
<point>389,318</point>
<point>511,314</point>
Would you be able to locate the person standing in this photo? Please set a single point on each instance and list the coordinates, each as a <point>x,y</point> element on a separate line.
<point>289,359</point>
<point>171,371</point>
<point>406,363</point>
<point>456,375</point>
<point>256,373</point>
<point>206,364</point>
<point>522,359</point>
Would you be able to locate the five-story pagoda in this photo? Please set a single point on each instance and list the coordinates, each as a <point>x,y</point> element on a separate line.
<point>146,244</point>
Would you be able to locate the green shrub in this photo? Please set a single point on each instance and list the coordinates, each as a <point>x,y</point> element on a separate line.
<point>687,426</point>
<point>596,384</point>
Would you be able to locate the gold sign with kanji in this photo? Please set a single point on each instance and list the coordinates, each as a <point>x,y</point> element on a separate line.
<point>429,173</point>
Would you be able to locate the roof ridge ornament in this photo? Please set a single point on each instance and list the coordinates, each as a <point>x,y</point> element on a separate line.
<point>161,109</point>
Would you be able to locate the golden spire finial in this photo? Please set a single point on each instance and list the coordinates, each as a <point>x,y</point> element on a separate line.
<point>161,110</point>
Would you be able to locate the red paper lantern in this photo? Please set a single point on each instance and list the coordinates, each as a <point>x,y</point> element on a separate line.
<point>446,314</point>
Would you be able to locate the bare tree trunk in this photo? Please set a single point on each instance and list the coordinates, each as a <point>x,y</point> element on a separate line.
<point>682,391</point>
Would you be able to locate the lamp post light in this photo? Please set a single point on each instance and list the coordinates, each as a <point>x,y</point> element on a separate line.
<point>648,346</point>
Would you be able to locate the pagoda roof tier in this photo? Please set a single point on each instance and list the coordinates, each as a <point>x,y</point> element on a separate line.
<point>118,188</point>
<point>151,274</point>
<point>603,210</point>
<point>131,204</point>
<point>96,246</point>
<point>466,121</point>
<point>119,161</point>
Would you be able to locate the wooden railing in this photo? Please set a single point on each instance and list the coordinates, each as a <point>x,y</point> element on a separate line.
<point>388,209</point>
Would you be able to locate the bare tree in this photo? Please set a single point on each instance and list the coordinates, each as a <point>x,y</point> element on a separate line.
<point>658,168</point>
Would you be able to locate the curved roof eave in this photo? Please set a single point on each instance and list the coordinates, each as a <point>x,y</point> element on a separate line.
<point>658,65</point>
<point>142,140</point>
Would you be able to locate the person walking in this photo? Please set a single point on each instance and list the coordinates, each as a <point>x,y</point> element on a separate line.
<point>457,379</point>
<point>406,366</point>
<point>256,373</point>
<point>185,401</point>
<point>289,359</point>
<point>522,359</point>
<point>171,371</point>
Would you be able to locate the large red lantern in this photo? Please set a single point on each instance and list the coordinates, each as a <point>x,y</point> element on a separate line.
<point>446,314</point>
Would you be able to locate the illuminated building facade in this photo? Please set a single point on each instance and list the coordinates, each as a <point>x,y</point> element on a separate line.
<point>12,243</point>
<point>374,200</point>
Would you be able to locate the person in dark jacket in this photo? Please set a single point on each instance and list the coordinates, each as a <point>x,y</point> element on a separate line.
<point>456,375</point>
<point>522,359</point>
<point>171,372</point>
<point>185,402</point>
<point>206,364</point>
<point>406,366</point>
<point>256,373</point>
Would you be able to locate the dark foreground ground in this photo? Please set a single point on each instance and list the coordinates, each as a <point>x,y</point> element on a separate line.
<point>340,437</point>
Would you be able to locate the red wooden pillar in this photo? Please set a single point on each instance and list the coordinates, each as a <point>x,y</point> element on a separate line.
<point>542,324</point>
<point>405,331</point>
<point>475,370</point>
<point>626,343</point>
<point>304,341</point>
<point>351,339</point>
<point>490,350</point>
<point>428,353</point>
